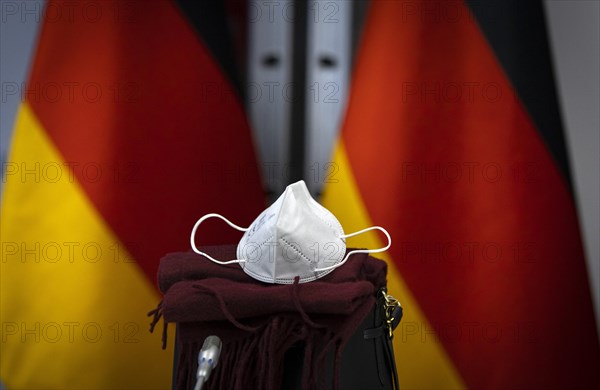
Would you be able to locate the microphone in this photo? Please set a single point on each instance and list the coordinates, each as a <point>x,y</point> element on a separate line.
<point>207,359</point>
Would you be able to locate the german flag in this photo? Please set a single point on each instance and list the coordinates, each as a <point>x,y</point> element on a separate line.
<point>128,132</point>
<point>453,142</point>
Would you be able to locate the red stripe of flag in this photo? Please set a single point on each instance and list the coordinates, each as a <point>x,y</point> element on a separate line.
<point>154,132</point>
<point>485,230</point>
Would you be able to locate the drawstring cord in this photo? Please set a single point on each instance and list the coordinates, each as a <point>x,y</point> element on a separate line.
<point>298,304</point>
<point>224,309</point>
<point>311,374</point>
<point>335,341</point>
<point>156,315</point>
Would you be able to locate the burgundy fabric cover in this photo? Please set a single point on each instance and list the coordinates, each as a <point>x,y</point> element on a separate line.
<point>258,322</point>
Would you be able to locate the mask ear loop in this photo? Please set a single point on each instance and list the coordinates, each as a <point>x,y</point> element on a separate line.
<point>193,235</point>
<point>385,248</point>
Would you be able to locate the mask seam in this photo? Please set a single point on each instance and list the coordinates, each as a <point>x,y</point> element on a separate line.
<point>258,276</point>
<point>296,250</point>
<point>263,243</point>
<point>262,278</point>
<point>289,280</point>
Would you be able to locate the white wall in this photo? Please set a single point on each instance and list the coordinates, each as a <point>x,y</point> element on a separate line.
<point>574,28</point>
<point>19,23</point>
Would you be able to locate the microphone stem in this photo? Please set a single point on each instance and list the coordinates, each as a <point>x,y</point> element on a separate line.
<point>199,383</point>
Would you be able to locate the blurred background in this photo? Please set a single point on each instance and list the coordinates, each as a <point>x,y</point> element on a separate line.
<point>142,116</point>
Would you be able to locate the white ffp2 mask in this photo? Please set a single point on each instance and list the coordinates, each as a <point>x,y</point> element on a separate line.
<point>295,236</point>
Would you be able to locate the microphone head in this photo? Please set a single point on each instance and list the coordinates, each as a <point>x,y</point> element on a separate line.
<point>209,356</point>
